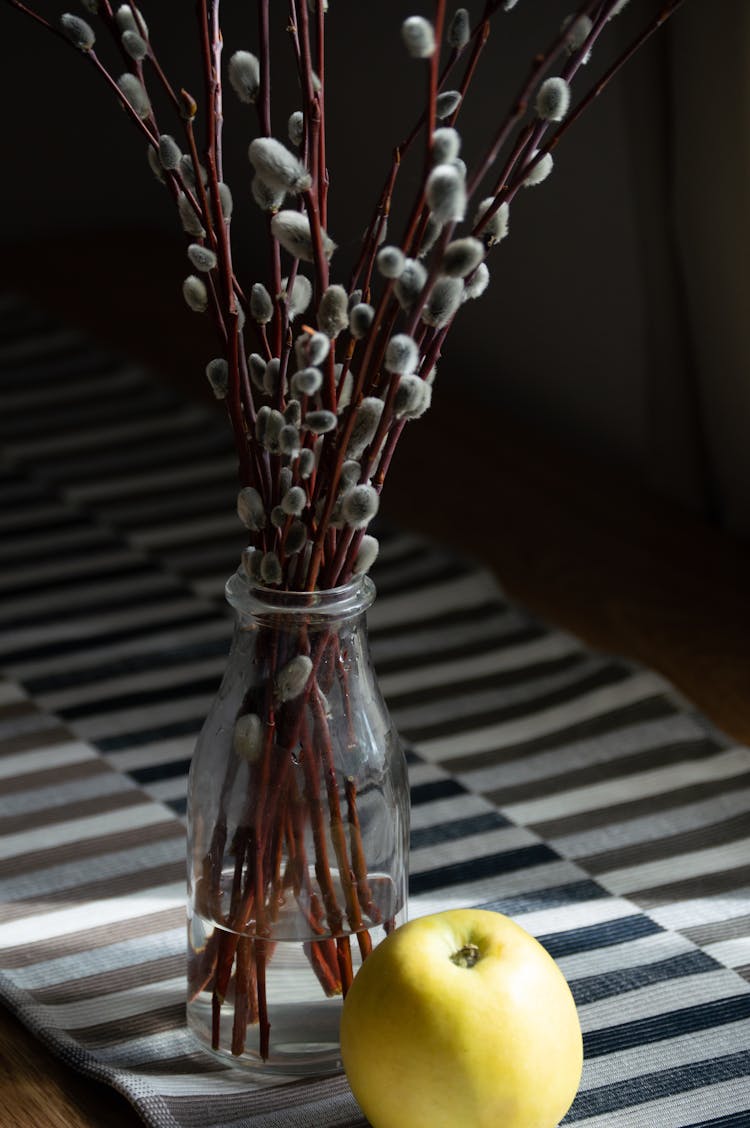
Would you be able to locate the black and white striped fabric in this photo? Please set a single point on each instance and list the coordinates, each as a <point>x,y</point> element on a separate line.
<point>572,790</point>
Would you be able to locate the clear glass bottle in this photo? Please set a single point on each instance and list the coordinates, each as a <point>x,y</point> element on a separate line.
<point>298,823</point>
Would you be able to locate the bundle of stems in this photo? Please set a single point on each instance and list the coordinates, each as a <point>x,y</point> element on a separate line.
<point>319,377</point>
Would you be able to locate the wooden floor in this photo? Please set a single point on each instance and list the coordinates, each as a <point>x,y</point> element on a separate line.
<point>581,546</point>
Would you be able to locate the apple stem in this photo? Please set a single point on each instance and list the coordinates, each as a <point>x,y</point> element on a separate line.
<point>466,956</point>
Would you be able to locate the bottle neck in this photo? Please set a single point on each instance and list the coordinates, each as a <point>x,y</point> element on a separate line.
<point>288,610</point>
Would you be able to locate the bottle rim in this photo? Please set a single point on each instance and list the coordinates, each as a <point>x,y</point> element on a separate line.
<point>249,598</point>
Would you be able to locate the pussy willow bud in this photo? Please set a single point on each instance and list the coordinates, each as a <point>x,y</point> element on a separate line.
<point>539,172</point>
<point>293,412</point>
<point>446,144</point>
<point>191,224</point>
<point>355,297</point>
<point>496,227</point>
<point>91,6</point>
<point>135,45</point>
<point>268,197</point>
<point>261,306</point>
<point>300,297</point>
<point>247,738</point>
<point>202,258</point>
<point>617,9</point>
<point>217,374</point>
<point>278,517</point>
<point>135,93</point>
<point>294,501</point>
<point>189,175</point>
<point>155,164</point>
<point>295,538</point>
<point>277,166</point>
<point>446,194</point>
<point>365,425</point>
<point>391,261</point>
<point>578,29</point>
<point>244,75</point>
<point>360,319</point>
<point>126,20</point>
<point>508,5</point>
<point>332,311</point>
<point>553,99</point>
<point>296,127</point>
<point>409,395</point>
<point>293,678</point>
<point>367,555</point>
<point>430,237</point>
<point>410,283</point>
<point>306,462</point>
<point>261,422</point>
<point>169,152</point>
<point>478,283</point>
<point>320,422</point>
<point>350,472</point>
<point>459,29</point>
<point>285,478</point>
<point>344,389</point>
<point>289,440</point>
<point>292,229</point>
<point>318,347</point>
<point>461,257</point>
<point>195,294</point>
<point>271,376</point>
<point>226,203</point>
<point>307,381</point>
<point>419,37</point>
<point>270,569</point>
<point>275,424</point>
<point>447,102</point>
<point>79,33</point>
<point>401,354</point>
<point>257,367</point>
<point>250,564</point>
<point>359,505</point>
<point>250,509</point>
<point>444,300</point>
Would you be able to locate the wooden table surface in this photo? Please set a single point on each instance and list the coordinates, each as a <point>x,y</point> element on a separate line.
<point>580,545</point>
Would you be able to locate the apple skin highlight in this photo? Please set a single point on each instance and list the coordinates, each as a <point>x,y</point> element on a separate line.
<point>492,1039</point>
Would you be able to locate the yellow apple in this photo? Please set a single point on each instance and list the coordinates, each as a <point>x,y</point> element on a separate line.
<point>461,1019</point>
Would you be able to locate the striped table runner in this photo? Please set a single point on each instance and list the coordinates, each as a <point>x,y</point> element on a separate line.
<point>569,789</point>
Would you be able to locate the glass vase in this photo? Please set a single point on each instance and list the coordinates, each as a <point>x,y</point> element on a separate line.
<point>298,822</point>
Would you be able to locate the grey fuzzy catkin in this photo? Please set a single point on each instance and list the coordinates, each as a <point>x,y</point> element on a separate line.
<point>271,376</point>
<point>80,33</point>
<point>496,227</point>
<point>540,171</point>
<point>296,127</point>
<point>430,237</point>
<point>419,37</point>
<point>367,554</point>
<point>461,257</point>
<point>320,422</point>
<point>135,93</point>
<point>332,311</point>
<point>293,412</point>
<point>446,144</point>
<point>350,472</point>
<point>446,194</point>
<point>217,374</point>
<point>189,175</point>
<point>413,396</point>
<point>275,424</point>
<point>250,509</point>
<point>292,229</point>
<point>250,564</point>
<point>244,75</point>
<point>447,102</point>
<point>478,283</point>
<point>344,389</point>
<point>306,462</point>
<point>285,479</point>
<point>354,299</point>
<point>247,738</point>
<point>391,261</point>
<point>191,224</point>
<point>257,367</point>
<point>359,505</point>
<point>261,306</point>
<point>268,197</point>
<point>300,297</point>
<point>195,294</point>
<point>155,164</point>
<point>202,258</point>
<point>553,99</point>
<point>401,354</point>
<point>226,203</point>
<point>295,538</point>
<point>445,298</point>
<point>278,517</point>
<point>169,152</point>
<point>291,681</point>
<point>459,29</point>
<point>318,347</point>
<point>91,6</point>
<point>261,422</point>
<point>277,166</point>
<point>410,283</point>
<point>366,423</point>
<point>294,501</point>
<point>360,319</point>
<point>126,20</point>
<point>135,45</point>
<point>307,381</point>
<point>578,29</point>
<point>270,569</point>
